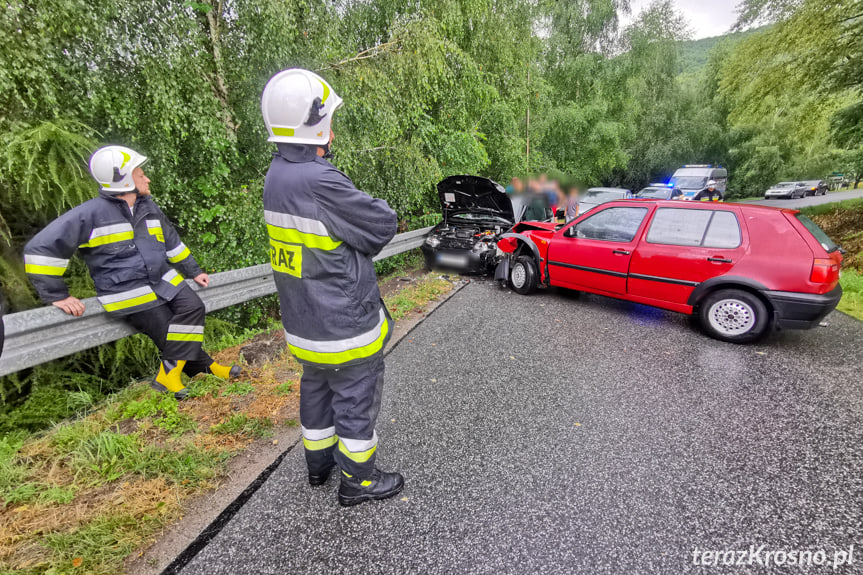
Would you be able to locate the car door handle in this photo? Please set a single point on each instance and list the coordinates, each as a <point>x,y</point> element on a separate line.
<point>719,260</point>
<point>620,252</point>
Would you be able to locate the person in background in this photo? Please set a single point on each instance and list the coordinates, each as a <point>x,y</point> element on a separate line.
<point>572,196</point>
<point>135,258</point>
<point>708,193</point>
<point>515,187</point>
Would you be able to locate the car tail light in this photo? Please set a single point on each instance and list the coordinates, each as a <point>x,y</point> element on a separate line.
<point>825,271</point>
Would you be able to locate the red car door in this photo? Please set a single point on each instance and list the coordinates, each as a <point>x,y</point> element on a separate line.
<point>593,253</point>
<point>682,248</point>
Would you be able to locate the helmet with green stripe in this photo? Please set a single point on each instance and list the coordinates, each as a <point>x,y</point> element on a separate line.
<point>112,167</point>
<point>298,107</point>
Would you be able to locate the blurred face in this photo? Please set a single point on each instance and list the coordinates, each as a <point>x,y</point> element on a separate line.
<point>142,182</point>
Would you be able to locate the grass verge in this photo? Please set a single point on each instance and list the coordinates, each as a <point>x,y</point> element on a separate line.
<point>84,495</point>
<point>852,296</point>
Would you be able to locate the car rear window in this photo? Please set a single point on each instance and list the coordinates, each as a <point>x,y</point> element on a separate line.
<point>694,228</point>
<point>823,239</point>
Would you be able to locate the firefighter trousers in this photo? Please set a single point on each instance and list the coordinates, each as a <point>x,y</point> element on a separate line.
<point>338,411</point>
<point>177,329</point>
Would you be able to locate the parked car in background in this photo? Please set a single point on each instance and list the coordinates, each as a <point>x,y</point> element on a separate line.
<point>741,269</point>
<point>660,192</point>
<point>475,212</point>
<point>788,190</point>
<point>598,196</point>
<point>692,178</point>
<point>815,187</point>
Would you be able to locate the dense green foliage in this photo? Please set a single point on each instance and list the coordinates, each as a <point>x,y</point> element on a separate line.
<point>432,88</point>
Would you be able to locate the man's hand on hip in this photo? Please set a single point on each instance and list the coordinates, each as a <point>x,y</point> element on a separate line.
<point>202,280</point>
<point>71,305</point>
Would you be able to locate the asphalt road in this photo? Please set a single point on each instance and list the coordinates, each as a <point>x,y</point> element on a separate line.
<point>566,433</point>
<point>811,200</point>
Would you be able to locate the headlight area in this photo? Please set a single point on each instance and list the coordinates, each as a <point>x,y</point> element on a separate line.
<point>481,247</point>
<point>433,241</point>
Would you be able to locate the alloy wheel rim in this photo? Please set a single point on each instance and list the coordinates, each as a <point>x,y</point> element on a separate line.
<point>731,317</point>
<point>518,276</point>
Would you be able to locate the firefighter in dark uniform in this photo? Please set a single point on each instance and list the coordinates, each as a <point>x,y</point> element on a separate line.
<point>137,263</point>
<point>708,193</point>
<point>323,234</point>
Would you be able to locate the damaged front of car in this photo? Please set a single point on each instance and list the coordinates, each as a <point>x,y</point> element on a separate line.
<point>523,264</point>
<point>476,211</point>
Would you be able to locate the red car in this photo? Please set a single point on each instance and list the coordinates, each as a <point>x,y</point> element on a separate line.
<point>742,269</point>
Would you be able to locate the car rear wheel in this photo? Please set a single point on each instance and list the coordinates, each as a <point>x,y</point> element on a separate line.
<point>523,275</point>
<point>733,315</point>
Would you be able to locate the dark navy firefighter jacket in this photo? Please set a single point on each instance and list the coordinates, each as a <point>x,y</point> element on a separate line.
<point>131,254</point>
<point>323,234</point>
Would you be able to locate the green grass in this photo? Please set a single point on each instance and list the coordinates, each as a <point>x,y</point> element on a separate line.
<point>823,209</point>
<point>852,298</point>
<point>242,424</point>
<point>416,296</point>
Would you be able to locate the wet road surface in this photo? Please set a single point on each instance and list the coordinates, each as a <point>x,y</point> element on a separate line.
<point>567,433</point>
<point>798,203</point>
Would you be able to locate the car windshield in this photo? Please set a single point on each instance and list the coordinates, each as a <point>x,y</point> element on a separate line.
<point>690,182</point>
<point>478,216</point>
<point>596,196</point>
<point>785,185</point>
<point>653,193</point>
<point>823,239</point>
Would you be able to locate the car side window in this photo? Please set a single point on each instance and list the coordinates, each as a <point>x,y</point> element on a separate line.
<point>678,226</point>
<point>724,231</point>
<point>694,228</point>
<point>612,225</point>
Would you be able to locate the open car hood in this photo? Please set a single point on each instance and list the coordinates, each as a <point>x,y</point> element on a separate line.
<point>474,194</point>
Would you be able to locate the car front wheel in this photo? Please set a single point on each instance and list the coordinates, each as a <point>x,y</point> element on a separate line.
<point>523,275</point>
<point>734,315</point>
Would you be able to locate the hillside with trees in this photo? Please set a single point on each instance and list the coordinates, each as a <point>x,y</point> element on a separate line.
<point>431,89</point>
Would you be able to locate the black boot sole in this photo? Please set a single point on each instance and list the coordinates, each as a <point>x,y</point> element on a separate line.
<point>350,501</point>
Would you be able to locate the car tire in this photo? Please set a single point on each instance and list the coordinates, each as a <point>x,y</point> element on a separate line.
<point>523,275</point>
<point>734,316</point>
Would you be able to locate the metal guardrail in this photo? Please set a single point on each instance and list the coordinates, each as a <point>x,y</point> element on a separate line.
<point>40,335</point>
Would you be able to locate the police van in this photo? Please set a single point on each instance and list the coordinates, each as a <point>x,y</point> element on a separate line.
<point>692,178</point>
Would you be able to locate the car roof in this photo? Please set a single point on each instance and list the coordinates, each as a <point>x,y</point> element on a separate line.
<point>622,190</point>
<point>697,205</point>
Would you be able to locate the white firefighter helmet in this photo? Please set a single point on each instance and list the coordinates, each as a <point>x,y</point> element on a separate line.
<point>711,184</point>
<point>112,167</point>
<point>298,107</point>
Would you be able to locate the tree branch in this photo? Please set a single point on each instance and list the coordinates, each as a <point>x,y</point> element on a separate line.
<point>372,52</point>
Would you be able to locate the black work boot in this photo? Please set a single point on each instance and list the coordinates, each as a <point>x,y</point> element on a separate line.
<point>380,485</point>
<point>318,478</point>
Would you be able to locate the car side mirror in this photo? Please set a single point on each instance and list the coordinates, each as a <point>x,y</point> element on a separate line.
<point>570,232</point>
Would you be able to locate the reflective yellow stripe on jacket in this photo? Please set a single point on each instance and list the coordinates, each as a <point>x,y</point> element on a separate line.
<point>172,277</point>
<point>290,229</point>
<point>340,351</point>
<point>127,299</point>
<point>110,235</point>
<point>179,253</point>
<point>44,265</point>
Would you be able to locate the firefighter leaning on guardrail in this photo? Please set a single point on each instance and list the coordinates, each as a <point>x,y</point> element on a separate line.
<point>133,254</point>
<point>323,234</point>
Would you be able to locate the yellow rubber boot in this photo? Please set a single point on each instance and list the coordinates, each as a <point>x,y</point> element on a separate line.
<point>225,371</point>
<point>169,379</point>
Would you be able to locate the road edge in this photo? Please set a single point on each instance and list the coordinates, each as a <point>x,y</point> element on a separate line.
<point>221,516</point>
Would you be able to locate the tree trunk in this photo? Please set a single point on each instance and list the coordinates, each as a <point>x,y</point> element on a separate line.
<point>220,87</point>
